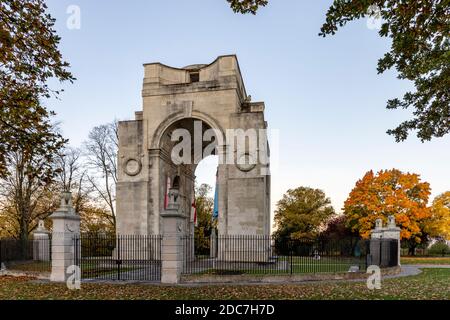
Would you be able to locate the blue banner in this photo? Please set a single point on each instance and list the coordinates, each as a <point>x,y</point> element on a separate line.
<point>216,199</point>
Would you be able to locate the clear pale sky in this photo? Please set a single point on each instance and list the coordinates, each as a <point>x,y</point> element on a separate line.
<point>322,94</point>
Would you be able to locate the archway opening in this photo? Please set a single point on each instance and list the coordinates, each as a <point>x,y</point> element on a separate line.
<point>188,147</point>
<point>206,206</point>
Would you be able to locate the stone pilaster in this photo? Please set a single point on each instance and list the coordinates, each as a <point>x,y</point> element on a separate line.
<point>41,243</point>
<point>213,244</point>
<point>66,226</point>
<point>393,232</point>
<point>172,246</point>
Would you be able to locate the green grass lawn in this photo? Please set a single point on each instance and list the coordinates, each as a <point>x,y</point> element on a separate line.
<point>89,269</point>
<point>431,284</point>
<point>425,260</point>
<point>103,273</point>
<point>31,266</point>
<point>106,269</point>
<point>300,265</point>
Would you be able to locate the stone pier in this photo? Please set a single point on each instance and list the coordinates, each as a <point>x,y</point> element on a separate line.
<point>171,246</point>
<point>41,243</point>
<point>391,231</point>
<point>66,226</point>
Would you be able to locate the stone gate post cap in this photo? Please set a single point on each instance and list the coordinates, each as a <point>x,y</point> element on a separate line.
<point>41,228</point>
<point>378,224</point>
<point>64,215</point>
<point>66,199</point>
<point>65,206</point>
<point>391,222</point>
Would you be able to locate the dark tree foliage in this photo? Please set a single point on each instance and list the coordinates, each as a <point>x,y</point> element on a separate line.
<point>29,57</point>
<point>301,213</point>
<point>205,222</point>
<point>337,229</point>
<point>246,6</point>
<point>419,30</point>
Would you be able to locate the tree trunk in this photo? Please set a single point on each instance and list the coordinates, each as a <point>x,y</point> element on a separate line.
<point>24,238</point>
<point>411,249</point>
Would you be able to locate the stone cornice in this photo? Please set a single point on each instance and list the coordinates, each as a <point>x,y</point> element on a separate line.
<point>225,83</point>
<point>65,215</point>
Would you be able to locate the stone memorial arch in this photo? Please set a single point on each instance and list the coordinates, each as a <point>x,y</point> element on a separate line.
<point>197,99</point>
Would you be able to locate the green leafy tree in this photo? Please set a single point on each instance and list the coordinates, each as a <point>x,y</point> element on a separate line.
<point>301,213</point>
<point>246,6</point>
<point>29,57</point>
<point>439,248</point>
<point>419,52</point>
<point>205,222</point>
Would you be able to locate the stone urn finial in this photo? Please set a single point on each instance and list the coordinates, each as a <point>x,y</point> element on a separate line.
<point>391,222</point>
<point>378,224</point>
<point>41,226</point>
<point>66,199</point>
<point>66,203</point>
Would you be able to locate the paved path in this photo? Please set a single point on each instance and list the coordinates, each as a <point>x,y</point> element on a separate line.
<point>411,270</point>
<point>407,270</point>
<point>439,266</point>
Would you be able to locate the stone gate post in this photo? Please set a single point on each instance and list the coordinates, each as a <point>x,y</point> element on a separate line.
<point>172,246</point>
<point>375,242</point>
<point>41,243</point>
<point>66,225</point>
<point>393,232</point>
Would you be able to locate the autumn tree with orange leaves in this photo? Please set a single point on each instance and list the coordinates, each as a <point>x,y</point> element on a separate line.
<point>389,192</point>
<point>438,225</point>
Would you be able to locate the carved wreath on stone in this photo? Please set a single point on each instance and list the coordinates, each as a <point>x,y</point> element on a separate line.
<point>132,166</point>
<point>70,226</point>
<point>246,162</point>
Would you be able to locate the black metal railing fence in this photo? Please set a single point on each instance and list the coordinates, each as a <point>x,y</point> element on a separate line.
<point>32,255</point>
<point>118,257</point>
<point>254,254</point>
<point>138,257</point>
